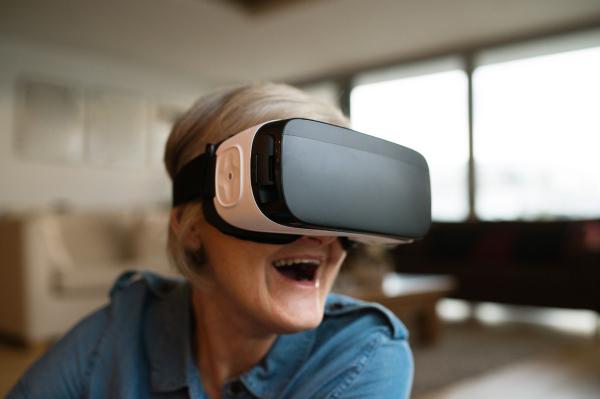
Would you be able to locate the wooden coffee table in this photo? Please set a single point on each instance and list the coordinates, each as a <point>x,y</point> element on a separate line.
<point>408,296</point>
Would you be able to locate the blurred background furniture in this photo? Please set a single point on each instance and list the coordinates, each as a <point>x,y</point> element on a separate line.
<point>55,268</point>
<point>367,274</point>
<point>412,298</point>
<point>555,264</point>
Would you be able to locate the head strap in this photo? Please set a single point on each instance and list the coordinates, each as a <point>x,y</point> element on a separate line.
<point>196,179</point>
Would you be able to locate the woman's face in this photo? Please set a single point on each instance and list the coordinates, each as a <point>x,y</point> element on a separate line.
<point>276,288</point>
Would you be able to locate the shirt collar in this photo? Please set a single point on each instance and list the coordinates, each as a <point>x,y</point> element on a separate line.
<point>271,376</point>
<point>340,304</point>
<point>168,335</point>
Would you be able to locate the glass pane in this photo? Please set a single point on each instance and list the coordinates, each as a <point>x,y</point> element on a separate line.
<point>427,113</point>
<point>537,137</point>
<point>50,123</point>
<point>117,130</point>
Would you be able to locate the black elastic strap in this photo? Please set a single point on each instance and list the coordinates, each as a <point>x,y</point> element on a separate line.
<point>196,179</point>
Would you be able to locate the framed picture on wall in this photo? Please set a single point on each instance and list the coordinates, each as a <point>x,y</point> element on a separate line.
<point>50,122</point>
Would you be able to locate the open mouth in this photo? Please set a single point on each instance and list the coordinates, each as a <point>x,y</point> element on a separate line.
<point>298,269</point>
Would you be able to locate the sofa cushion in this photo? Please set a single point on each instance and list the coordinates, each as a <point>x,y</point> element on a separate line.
<point>93,237</point>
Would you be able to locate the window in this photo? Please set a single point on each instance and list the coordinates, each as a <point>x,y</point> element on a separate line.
<point>537,136</point>
<point>423,107</point>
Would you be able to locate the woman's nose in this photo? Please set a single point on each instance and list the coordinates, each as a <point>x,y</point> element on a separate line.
<point>318,240</point>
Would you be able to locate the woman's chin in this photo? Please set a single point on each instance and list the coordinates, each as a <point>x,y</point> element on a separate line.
<point>299,314</point>
<point>296,326</point>
<point>295,306</point>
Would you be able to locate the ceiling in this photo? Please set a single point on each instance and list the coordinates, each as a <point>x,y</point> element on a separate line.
<point>219,41</point>
<point>262,5</point>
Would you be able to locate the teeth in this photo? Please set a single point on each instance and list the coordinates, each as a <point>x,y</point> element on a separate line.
<point>296,261</point>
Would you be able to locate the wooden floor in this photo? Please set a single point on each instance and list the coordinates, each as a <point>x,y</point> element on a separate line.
<point>13,362</point>
<point>570,373</point>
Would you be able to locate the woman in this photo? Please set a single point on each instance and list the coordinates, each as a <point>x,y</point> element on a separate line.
<point>240,325</point>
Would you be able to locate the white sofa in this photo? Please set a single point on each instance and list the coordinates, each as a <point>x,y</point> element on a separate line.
<point>57,268</point>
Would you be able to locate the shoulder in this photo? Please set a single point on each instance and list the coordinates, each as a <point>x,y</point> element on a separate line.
<point>348,313</point>
<point>68,368</point>
<point>60,372</point>
<point>361,350</point>
<point>143,285</point>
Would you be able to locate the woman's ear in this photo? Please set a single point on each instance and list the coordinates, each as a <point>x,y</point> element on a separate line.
<point>175,219</point>
<point>192,240</point>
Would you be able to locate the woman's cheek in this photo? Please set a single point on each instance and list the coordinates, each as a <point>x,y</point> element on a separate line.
<point>337,256</point>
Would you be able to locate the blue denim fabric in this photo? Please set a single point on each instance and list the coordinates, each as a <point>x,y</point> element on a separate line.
<point>140,346</point>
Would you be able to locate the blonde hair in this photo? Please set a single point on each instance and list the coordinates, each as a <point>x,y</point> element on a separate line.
<point>217,116</point>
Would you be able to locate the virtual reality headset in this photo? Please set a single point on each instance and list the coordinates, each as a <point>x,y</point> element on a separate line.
<point>284,179</point>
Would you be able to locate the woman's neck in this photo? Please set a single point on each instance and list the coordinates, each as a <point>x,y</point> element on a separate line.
<point>224,347</point>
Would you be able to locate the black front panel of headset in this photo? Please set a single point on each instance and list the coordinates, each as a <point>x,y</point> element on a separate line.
<point>340,179</point>
<point>314,175</point>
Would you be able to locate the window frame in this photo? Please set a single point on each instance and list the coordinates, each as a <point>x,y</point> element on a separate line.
<point>471,58</point>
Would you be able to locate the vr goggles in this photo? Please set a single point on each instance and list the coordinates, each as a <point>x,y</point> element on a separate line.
<point>283,179</point>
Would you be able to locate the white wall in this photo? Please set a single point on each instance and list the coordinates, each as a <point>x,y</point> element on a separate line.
<point>25,184</point>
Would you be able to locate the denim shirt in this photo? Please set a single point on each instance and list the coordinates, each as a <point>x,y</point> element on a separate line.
<point>140,346</point>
